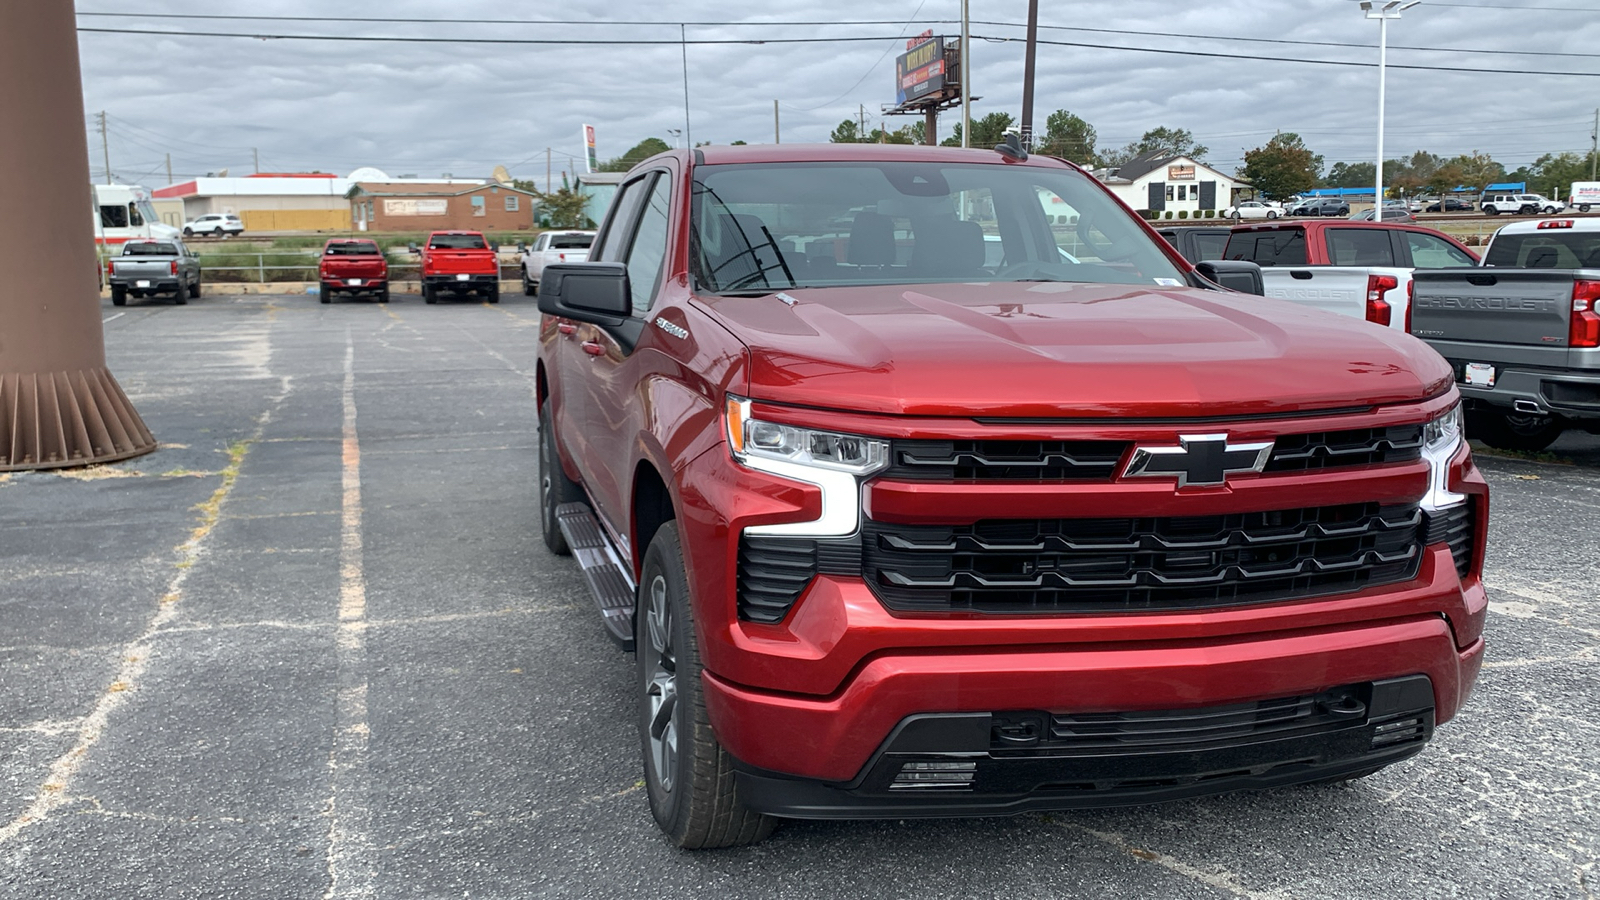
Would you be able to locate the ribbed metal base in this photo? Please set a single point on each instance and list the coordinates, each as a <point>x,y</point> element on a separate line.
<point>57,419</point>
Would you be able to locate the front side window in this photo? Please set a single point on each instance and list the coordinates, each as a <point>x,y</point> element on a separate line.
<point>765,227</point>
<point>113,217</point>
<point>649,248</point>
<point>1429,252</point>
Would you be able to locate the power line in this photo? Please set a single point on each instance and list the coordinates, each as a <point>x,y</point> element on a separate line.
<point>807,40</point>
<point>841,23</point>
<point>870,69</point>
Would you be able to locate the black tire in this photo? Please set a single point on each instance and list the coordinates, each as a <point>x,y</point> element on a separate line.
<point>494,294</point>
<point>1271,214</point>
<point>528,288</point>
<point>1504,429</point>
<point>1490,211</point>
<point>325,293</point>
<point>188,232</point>
<point>430,295</point>
<point>1583,207</point>
<point>179,298</point>
<point>194,289</point>
<point>119,295</point>
<point>383,295</point>
<point>687,774</point>
<point>555,488</point>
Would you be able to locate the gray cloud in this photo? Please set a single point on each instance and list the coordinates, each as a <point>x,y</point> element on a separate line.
<point>462,108</point>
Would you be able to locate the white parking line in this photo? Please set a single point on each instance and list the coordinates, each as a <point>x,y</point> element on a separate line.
<point>350,863</point>
<point>109,318</point>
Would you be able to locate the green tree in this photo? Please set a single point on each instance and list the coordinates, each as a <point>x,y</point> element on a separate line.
<point>563,207</point>
<point>1349,175</point>
<point>1069,137</point>
<point>1476,169</point>
<point>986,132</point>
<point>847,132</point>
<point>1284,166</point>
<point>641,151</point>
<point>1553,173</point>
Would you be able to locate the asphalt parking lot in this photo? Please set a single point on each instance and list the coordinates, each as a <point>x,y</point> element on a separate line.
<point>314,647</point>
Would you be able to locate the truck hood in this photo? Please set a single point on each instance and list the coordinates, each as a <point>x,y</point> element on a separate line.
<point>1051,350</point>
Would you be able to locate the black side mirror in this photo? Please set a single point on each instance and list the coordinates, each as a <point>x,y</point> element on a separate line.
<point>521,247</point>
<point>411,248</point>
<point>1239,275</point>
<point>494,247</point>
<point>589,292</point>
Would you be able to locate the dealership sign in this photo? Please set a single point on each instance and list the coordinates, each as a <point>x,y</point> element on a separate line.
<point>1180,173</point>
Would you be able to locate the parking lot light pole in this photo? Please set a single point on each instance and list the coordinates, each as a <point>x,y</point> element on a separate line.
<point>1390,10</point>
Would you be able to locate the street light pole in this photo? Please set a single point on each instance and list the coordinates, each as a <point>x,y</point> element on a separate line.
<point>966,77</point>
<point>1390,10</point>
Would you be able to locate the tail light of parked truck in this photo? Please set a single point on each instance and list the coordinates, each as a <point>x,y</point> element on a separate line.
<point>1378,309</point>
<point>172,267</point>
<point>1411,302</point>
<point>1585,330</point>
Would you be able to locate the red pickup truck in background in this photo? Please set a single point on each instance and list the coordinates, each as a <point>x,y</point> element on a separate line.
<point>897,526</point>
<point>353,266</point>
<point>460,262</point>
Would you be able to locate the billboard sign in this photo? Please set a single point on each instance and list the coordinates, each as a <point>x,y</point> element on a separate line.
<point>588,149</point>
<point>1180,173</point>
<point>920,71</point>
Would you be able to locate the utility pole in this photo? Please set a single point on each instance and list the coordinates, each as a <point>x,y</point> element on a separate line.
<point>966,77</point>
<point>256,156</point>
<point>169,168</point>
<point>105,146</point>
<point>1594,144</point>
<point>683,42</point>
<point>776,138</point>
<point>1027,74</point>
<point>862,134</point>
<point>548,187</point>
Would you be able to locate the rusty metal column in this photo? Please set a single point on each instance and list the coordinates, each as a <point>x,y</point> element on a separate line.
<point>59,405</point>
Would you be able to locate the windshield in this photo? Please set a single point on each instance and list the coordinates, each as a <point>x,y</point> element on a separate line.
<point>1549,249</point>
<point>146,249</point>
<point>792,225</point>
<point>353,248</point>
<point>457,242</point>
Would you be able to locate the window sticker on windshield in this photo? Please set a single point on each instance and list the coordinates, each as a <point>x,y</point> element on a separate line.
<point>1169,282</point>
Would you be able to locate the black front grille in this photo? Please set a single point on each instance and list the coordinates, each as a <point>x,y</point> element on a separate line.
<point>1454,526</point>
<point>1006,460</point>
<point>1357,447</point>
<point>1044,461</point>
<point>1139,564</point>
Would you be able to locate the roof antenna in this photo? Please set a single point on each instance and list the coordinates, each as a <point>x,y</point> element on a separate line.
<point>1012,148</point>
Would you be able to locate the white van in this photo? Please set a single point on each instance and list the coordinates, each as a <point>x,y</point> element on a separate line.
<point>123,211</point>
<point>1585,195</point>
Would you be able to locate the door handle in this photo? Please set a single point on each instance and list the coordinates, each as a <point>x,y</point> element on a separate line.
<point>565,328</point>
<point>593,348</point>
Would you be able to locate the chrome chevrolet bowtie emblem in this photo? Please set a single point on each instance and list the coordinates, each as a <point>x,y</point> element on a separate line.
<point>1199,459</point>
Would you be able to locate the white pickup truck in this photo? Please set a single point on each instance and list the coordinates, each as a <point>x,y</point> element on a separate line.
<point>552,247</point>
<point>1357,269</point>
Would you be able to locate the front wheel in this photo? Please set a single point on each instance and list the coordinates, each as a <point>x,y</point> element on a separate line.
<point>1271,214</point>
<point>188,232</point>
<point>527,286</point>
<point>194,289</point>
<point>1491,211</point>
<point>688,776</point>
<point>1503,429</point>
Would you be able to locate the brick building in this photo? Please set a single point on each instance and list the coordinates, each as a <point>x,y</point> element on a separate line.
<point>390,206</point>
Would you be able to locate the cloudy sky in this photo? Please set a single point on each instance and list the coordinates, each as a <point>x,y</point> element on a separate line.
<point>465,105</point>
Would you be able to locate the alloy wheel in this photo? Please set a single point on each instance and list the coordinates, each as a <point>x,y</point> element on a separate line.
<point>662,687</point>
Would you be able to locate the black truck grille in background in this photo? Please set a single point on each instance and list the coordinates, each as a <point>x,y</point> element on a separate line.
<point>774,571</point>
<point>1454,526</point>
<point>990,460</point>
<point>1140,564</point>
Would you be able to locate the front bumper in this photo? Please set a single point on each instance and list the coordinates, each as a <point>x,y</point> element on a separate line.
<point>1012,762</point>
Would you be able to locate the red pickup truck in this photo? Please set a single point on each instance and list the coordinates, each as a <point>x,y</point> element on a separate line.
<point>897,526</point>
<point>460,263</point>
<point>353,266</point>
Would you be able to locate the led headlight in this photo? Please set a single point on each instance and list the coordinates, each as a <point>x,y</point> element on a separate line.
<point>836,463</point>
<point>1441,438</point>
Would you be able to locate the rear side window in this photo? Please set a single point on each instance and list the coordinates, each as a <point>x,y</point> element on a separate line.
<point>1279,247</point>
<point>1573,250</point>
<point>1429,252</point>
<point>571,242</point>
<point>1360,247</point>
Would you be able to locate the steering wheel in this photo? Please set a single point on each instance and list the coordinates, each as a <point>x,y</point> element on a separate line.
<point>1105,251</point>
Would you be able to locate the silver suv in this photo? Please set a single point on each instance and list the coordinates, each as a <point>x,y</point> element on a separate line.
<point>214,224</point>
<point>1520,204</point>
